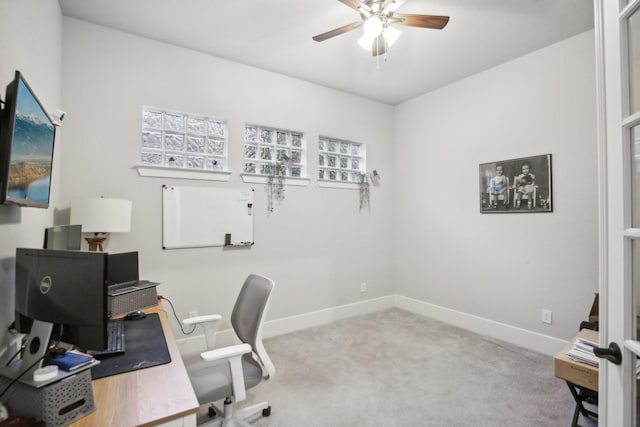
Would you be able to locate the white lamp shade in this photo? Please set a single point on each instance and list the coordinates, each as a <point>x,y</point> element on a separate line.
<point>366,41</point>
<point>373,26</point>
<point>391,35</point>
<point>101,215</point>
<point>393,6</point>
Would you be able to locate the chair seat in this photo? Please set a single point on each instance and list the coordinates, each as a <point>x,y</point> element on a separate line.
<point>212,383</point>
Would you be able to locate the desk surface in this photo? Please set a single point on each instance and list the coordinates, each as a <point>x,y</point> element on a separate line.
<point>147,396</point>
<point>575,372</point>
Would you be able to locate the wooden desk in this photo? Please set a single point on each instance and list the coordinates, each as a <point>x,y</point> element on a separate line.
<point>146,397</point>
<point>576,372</point>
<point>581,378</point>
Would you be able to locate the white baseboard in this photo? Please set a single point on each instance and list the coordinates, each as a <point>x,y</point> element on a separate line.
<point>328,315</point>
<point>511,334</point>
<point>298,322</point>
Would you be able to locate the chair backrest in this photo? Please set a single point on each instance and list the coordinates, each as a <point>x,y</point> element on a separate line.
<point>248,315</point>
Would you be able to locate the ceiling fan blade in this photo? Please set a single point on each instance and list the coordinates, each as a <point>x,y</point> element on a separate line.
<point>423,21</point>
<point>353,4</point>
<point>337,31</point>
<point>379,46</point>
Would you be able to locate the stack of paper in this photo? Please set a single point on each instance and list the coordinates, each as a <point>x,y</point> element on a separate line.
<point>582,351</point>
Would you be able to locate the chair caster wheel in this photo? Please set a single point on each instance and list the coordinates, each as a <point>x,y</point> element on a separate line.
<point>266,412</point>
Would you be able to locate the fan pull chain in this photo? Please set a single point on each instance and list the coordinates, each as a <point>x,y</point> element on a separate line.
<point>386,52</point>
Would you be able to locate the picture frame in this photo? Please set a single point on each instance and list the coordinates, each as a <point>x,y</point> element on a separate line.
<point>520,185</point>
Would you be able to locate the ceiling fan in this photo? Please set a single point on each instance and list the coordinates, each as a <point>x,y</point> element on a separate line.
<point>377,17</point>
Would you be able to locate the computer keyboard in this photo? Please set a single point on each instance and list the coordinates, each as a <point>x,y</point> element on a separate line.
<point>115,340</point>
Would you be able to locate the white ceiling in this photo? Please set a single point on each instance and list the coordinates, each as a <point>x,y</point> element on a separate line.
<point>276,35</point>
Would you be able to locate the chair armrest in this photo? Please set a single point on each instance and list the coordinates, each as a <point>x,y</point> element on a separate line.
<point>225,352</point>
<point>210,323</point>
<point>202,319</point>
<point>232,354</point>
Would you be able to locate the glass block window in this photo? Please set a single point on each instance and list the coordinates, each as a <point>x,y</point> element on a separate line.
<point>340,160</point>
<point>264,147</point>
<point>183,140</point>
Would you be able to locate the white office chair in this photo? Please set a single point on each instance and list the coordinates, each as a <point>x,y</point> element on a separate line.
<point>227,372</point>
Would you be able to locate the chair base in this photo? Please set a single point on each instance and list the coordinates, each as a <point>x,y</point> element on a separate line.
<point>230,418</point>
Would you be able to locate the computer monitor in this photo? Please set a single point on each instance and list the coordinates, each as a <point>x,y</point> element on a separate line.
<point>64,237</point>
<point>67,288</point>
<point>123,268</point>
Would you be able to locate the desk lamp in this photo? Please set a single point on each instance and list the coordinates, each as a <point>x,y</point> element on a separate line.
<point>100,215</point>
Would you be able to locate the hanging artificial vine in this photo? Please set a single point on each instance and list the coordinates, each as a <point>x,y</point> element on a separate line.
<point>363,186</point>
<point>275,186</point>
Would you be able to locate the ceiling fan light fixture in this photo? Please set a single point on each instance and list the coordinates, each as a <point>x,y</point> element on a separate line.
<point>373,26</point>
<point>391,35</point>
<point>377,18</point>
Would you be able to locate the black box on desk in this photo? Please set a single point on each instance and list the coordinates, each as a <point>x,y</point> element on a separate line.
<point>126,297</point>
<point>57,404</point>
<point>594,313</point>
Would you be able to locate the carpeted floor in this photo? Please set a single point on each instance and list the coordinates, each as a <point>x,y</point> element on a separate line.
<point>394,368</point>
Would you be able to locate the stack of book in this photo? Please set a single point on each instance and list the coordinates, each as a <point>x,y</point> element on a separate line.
<point>71,361</point>
<point>582,351</point>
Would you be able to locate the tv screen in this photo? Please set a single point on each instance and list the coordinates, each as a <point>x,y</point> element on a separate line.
<point>27,135</point>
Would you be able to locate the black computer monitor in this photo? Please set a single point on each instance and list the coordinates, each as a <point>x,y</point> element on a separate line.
<point>123,268</point>
<point>67,288</point>
<point>64,237</point>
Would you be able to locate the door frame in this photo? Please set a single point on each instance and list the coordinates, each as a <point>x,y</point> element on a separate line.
<point>616,237</point>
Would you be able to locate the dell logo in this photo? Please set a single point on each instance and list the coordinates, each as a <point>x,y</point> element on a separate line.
<point>45,285</point>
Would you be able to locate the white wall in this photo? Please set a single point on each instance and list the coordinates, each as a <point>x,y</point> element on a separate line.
<point>501,267</point>
<point>424,237</point>
<point>30,41</point>
<point>317,246</point>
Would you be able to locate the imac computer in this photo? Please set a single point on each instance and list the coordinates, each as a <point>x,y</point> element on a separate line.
<point>61,296</point>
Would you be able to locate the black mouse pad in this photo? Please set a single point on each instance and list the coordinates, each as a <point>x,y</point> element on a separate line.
<point>145,346</point>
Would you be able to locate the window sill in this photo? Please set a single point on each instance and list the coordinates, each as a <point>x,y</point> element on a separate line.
<point>262,179</point>
<point>180,173</point>
<point>323,183</point>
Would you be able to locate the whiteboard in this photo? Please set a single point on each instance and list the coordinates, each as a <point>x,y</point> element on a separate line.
<point>195,217</point>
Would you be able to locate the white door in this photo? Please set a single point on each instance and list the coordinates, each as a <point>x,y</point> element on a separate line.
<point>617,29</point>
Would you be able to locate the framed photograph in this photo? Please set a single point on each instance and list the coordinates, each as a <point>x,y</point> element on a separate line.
<point>516,185</point>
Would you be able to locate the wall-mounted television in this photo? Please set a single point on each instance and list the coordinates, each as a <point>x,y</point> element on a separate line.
<point>27,135</point>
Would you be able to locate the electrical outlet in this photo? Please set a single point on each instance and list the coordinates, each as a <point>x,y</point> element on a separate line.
<point>193,313</point>
<point>363,287</point>
<point>546,316</point>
